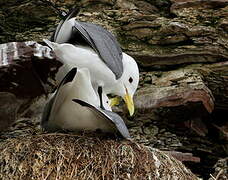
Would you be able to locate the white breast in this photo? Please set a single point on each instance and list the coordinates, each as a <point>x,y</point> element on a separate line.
<point>73,116</point>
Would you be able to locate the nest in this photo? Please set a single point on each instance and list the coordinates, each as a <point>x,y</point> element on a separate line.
<point>66,156</point>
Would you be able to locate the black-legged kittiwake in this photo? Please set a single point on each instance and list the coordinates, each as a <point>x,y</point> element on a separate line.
<point>75,106</point>
<point>116,72</point>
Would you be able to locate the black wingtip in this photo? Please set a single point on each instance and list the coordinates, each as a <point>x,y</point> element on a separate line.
<point>69,77</point>
<point>79,102</point>
<point>64,16</point>
<point>71,13</point>
<point>82,103</point>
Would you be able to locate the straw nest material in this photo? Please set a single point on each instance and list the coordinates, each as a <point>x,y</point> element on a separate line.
<point>66,156</point>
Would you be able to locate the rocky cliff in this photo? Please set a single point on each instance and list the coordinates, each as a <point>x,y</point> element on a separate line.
<point>181,47</point>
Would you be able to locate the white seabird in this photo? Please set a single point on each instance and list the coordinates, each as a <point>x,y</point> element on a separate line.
<point>101,75</point>
<point>75,106</point>
<point>91,46</point>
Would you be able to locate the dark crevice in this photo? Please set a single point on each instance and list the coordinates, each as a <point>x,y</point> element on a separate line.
<point>209,148</point>
<point>163,7</point>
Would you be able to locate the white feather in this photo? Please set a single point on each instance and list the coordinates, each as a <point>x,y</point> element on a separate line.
<point>66,114</point>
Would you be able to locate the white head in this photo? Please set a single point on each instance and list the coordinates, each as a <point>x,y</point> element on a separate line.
<point>128,83</point>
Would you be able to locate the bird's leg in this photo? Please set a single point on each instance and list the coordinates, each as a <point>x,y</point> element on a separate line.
<point>100,96</point>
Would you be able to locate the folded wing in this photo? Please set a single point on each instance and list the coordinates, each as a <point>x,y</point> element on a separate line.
<point>109,116</point>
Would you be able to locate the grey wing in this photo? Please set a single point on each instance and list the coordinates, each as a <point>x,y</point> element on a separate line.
<point>46,112</point>
<point>46,115</point>
<point>110,116</point>
<point>78,33</point>
<point>118,121</point>
<point>104,43</point>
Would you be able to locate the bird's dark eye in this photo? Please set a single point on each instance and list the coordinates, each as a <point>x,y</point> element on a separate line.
<point>130,79</point>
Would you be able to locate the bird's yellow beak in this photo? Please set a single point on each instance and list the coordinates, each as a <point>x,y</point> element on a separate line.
<point>129,102</point>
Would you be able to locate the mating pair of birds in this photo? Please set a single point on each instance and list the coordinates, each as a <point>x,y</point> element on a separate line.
<point>93,67</point>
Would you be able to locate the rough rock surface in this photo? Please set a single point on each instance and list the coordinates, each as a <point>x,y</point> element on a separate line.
<point>221,170</point>
<point>8,112</point>
<point>175,88</point>
<point>27,71</point>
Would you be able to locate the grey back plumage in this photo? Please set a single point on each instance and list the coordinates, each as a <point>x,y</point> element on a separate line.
<point>104,43</point>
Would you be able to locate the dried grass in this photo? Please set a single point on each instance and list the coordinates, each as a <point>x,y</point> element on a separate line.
<point>66,156</point>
